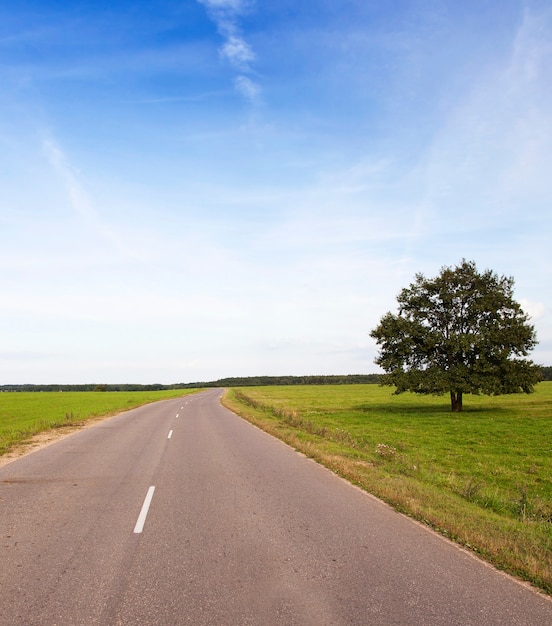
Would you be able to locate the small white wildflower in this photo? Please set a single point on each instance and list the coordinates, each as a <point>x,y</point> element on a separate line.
<point>384,450</point>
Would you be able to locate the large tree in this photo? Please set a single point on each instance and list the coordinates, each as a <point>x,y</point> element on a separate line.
<point>460,332</point>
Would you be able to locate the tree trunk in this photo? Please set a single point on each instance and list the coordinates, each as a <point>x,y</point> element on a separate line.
<point>456,401</point>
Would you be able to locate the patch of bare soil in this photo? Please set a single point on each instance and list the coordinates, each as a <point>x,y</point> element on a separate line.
<point>45,438</point>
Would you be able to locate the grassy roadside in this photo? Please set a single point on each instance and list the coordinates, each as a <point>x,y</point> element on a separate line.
<point>25,414</point>
<point>483,478</point>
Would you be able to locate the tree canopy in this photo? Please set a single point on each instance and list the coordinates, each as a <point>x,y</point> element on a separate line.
<point>460,332</point>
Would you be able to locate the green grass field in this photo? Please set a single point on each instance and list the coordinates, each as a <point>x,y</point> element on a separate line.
<point>482,477</point>
<point>23,415</point>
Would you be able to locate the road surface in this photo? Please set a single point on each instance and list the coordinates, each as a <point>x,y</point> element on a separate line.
<point>180,512</point>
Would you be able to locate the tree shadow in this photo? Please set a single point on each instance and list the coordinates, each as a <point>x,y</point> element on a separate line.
<point>424,409</point>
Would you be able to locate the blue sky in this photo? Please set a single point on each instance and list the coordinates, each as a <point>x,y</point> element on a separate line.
<point>196,189</point>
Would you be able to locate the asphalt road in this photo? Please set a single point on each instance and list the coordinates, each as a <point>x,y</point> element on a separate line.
<point>182,513</point>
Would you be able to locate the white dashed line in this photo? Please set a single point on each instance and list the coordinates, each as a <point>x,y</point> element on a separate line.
<point>170,434</point>
<point>144,512</point>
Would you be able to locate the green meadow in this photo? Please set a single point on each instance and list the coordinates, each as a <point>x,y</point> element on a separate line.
<point>482,477</point>
<point>24,414</point>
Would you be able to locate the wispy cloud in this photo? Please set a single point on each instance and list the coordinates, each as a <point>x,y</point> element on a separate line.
<point>532,46</point>
<point>235,49</point>
<point>249,89</point>
<point>493,152</point>
<point>238,52</point>
<point>78,198</point>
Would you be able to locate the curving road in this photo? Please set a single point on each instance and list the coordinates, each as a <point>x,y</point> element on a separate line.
<point>182,513</point>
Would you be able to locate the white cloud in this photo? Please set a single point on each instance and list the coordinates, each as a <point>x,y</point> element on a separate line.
<point>532,47</point>
<point>235,6</point>
<point>248,88</point>
<point>533,309</point>
<point>77,196</point>
<point>489,161</point>
<point>69,176</point>
<point>235,49</point>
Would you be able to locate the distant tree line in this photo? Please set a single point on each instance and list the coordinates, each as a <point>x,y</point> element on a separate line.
<point>249,381</point>
<point>87,387</point>
<point>264,381</point>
